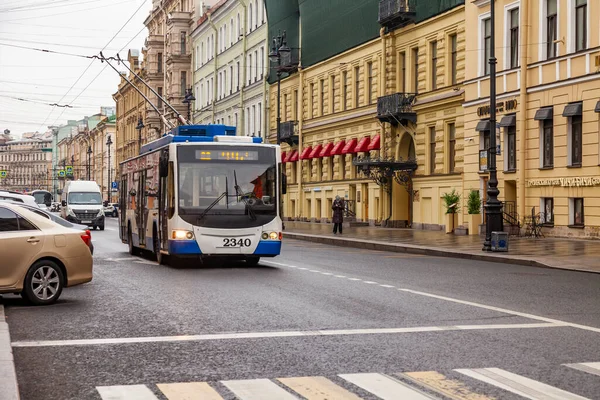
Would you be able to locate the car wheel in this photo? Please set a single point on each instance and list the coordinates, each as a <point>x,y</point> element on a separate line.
<point>94,227</point>
<point>252,261</point>
<point>132,249</point>
<point>43,283</point>
<point>101,227</point>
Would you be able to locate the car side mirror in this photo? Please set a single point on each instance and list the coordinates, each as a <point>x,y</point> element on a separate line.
<point>283,184</point>
<point>63,203</point>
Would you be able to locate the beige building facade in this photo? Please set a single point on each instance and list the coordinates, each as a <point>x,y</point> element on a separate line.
<point>548,123</point>
<point>26,164</point>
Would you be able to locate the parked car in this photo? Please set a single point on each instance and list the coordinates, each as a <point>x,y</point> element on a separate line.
<point>63,222</point>
<point>110,210</point>
<point>18,198</point>
<point>39,256</point>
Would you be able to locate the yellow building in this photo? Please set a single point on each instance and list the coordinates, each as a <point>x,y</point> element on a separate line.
<point>379,124</point>
<point>548,91</point>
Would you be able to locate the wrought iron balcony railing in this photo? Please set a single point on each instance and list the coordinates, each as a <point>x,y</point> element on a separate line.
<point>396,107</point>
<point>394,13</point>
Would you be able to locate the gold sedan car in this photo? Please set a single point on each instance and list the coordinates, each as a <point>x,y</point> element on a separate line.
<point>38,257</point>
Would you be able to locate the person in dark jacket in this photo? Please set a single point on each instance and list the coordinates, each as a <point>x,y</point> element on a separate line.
<point>338,214</point>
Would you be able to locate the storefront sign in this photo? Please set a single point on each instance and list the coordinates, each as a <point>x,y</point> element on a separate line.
<point>565,182</point>
<point>501,106</point>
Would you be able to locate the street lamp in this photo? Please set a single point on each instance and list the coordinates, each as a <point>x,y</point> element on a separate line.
<point>89,162</point>
<point>139,128</point>
<point>280,48</point>
<point>108,143</point>
<point>493,207</point>
<point>189,97</point>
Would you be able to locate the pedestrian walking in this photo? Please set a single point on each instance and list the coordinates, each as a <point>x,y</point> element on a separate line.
<point>338,214</point>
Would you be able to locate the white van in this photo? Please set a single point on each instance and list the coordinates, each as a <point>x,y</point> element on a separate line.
<point>82,204</point>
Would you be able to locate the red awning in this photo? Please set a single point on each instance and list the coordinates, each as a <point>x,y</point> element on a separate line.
<point>349,147</point>
<point>375,144</point>
<point>293,157</point>
<point>363,145</point>
<point>326,152</point>
<point>305,153</point>
<point>284,157</point>
<point>316,151</point>
<point>337,149</point>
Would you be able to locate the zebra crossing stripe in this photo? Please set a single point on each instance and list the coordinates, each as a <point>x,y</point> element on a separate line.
<point>189,391</point>
<point>128,392</point>
<point>258,389</point>
<point>385,387</point>
<point>591,368</point>
<point>439,383</point>
<point>518,384</point>
<point>318,388</point>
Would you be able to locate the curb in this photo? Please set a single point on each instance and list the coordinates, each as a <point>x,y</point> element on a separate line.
<point>9,389</point>
<point>424,250</point>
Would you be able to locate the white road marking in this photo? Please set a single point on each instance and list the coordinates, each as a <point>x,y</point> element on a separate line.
<point>518,384</point>
<point>189,391</point>
<point>258,389</point>
<point>304,269</point>
<point>276,334</point>
<point>326,273</point>
<point>385,387</point>
<point>504,310</point>
<point>387,286</point>
<point>354,279</point>
<point>340,276</point>
<point>371,283</point>
<point>590,368</point>
<point>129,392</point>
<point>314,270</point>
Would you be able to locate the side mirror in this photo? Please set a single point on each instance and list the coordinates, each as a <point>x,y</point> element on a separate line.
<point>63,203</point>
<point>163,166</point>
<point>283,184</point>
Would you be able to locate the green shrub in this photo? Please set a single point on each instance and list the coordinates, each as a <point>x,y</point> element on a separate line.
<point>474,202</point>
<point>451,201</point>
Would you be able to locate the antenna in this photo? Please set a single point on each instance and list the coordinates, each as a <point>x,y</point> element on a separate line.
<point>166,121</point>
<point>179,116</point>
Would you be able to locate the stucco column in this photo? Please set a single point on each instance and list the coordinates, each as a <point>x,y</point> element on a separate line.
<point>522,142</point>
<point>300,116</point>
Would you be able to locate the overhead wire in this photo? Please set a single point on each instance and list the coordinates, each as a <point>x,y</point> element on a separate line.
<point>67,12</point>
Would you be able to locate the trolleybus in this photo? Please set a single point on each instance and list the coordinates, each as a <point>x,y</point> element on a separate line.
<point>201,191</point>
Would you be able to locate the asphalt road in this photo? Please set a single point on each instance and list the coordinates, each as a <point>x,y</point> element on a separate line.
<point>367,321</point>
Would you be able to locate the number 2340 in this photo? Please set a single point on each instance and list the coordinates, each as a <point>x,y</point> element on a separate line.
<point>236,242</point>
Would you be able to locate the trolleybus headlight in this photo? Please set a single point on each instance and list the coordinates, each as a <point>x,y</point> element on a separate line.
<point>273,235</point>
<point>265,235</point>
<point>180,235</point>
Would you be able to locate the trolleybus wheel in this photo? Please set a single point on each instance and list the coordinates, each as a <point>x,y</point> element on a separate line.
<point>252,260</point>
<point>160,258</point>
<point>132,249</point>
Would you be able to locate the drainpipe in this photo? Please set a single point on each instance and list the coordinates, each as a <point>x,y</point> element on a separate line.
<point>524,31</point>
<point>242,79</point>
<point>216,65</point>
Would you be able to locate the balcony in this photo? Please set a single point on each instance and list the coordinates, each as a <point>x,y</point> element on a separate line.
<point>483,160</point>
<point>155,41</point>
<point>289,134</point>
<point>396,13</point>
<point>395,108</point>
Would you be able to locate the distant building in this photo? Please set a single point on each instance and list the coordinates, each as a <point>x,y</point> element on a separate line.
<point>26,164</point>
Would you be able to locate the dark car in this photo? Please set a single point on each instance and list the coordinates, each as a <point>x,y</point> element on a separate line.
<point>60,221</point>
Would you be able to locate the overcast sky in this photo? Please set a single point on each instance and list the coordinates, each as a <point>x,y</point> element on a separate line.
<point>81,27</point>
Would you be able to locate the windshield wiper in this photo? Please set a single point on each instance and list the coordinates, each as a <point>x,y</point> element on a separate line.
<point>214,203</point>
<point>238,191</point>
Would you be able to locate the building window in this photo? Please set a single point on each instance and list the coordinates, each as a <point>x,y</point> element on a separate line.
<point>548,143</point>
<point>284,110</point>
<point>312,100</point>
<point>511,144</point>
<point>514,38</point>
<point>160,63</point>
<point>575,140</point>
<point>345,90</point>
<point>453,59</point>
<point>576,214</point>
<point>580,25</point>
<point>296,104</point>
<point>402,63</point>
<point>259,117</point>
<point>250,18</point>
<point>356,87</point>
<point>262,61</point>
<point>487,44</point>
<point>159,99</point>
<point>322,99</point>
<point>432,150</point>
<point>451,147</point>
<point>434,60</point>
<point>333,94</point>
<point>230,79</point>
<point>551,28</point>
<point>547,210</point>
<point>249,69</point>
<point>370,83</point>
<point>237,77</point>
<point>231,32</point>
<point>182,42</point>
<point>415,72</point>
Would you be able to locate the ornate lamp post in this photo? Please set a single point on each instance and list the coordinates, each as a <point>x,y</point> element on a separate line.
<point>89,162</point>
<point>279,49</point>
<point>493,207</point>
<point>108,143</point>
<point>139,127</point>
<point>189,97</point>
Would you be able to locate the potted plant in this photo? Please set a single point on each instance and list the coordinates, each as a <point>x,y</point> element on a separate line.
<point>451,201</point>
<point>474,212</point>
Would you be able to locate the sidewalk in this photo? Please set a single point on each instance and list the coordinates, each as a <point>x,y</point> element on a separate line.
<point>569,254</point>
<point>9,389</point>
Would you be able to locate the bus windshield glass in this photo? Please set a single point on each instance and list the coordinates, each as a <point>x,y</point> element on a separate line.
<point>226,186</point>
<point>42,197</point>
<point>85,198</point>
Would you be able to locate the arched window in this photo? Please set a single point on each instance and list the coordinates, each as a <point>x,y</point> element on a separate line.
<point>231,32</point>
<point>250,18</point>
<point>256,14</point>
<point>237,25</point>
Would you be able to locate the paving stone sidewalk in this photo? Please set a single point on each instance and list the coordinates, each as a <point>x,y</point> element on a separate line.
<point>570,254</point>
